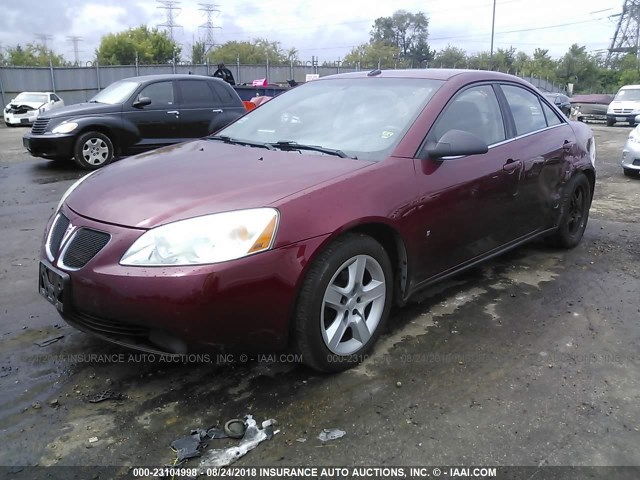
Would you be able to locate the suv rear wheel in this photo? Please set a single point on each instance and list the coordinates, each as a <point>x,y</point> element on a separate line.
<point>93,150</point>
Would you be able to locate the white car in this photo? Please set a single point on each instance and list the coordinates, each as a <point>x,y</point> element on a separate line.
<point>625,106</point>
<point>25,108</point>
<point>631,153</point>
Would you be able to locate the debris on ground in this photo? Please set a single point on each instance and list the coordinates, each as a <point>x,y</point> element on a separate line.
<point>329,434</point>
<point>253,436</point>
<point>54,403</point>
<point>35,405</point>
<point>48,341</point>
<point>301,440</point>
<point>235,428</point>
<point>106,395</point>
<point>93,439</point>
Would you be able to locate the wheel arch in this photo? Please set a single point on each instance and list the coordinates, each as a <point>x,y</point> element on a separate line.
<point>105,130</point>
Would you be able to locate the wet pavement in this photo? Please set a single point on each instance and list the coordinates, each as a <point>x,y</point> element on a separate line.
<point>530,359</point>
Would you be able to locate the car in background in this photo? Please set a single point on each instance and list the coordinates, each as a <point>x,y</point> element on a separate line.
<point>625,106</point>
<point>631,153</point>
<point>134,115</point>
<point>593,106</point>
<point>300,224</point>
<point>27,106</point>
<point>561,101</point>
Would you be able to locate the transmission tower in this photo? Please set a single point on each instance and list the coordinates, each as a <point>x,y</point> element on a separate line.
<point>209,9</point>
<point>627,36</point>
<point>170,6</point>
<point>44,38</point>
<point>76,52</point>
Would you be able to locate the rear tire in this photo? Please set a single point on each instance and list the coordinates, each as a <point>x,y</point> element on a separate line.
<point>93,150</point>
<point>574,212</point>
<point>343,303</point>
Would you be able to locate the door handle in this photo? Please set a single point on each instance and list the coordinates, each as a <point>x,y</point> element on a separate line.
<point>512,165</point>
<point>176,112</point>
<point>217,110</point>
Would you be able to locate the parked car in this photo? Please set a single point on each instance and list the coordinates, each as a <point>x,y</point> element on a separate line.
<point>592,106</point>
<point>134,115</point>
<point>25,108</point>
<point>625,106</point>
<point>631,153</point>
<point>302,222</point>
<point>561,101</point>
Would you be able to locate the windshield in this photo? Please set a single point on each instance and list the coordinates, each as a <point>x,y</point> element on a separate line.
<point>632,94</point>
<point>117,92</point>
<point>31,97</point>
<point>362,117</point>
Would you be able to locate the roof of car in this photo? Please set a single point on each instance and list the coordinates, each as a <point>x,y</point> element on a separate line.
<point>428,73</point>
<point>171,76</point>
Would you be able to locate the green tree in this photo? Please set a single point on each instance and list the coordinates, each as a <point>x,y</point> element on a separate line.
<point>369,55</point>
<point>33,55</point>
<point>450,57</point>
<point>254,52</point>
<point>522,63</point>
<point>408,33</point>
<point>579,68</point>
<point>152,46</point>
<point>480,61</point>
<point>198,50</point>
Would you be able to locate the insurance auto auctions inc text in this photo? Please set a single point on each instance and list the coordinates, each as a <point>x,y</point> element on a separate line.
<point>370,472</point>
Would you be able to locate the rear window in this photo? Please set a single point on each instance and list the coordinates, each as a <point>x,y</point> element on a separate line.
<point>196,93</point>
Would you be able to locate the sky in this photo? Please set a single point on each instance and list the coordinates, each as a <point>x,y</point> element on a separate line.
<point>327,29</point>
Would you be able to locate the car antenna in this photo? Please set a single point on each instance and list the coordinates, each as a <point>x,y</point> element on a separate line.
<point>374,73</point>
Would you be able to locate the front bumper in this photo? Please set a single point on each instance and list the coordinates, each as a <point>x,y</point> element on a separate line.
<point>622,117</point>
<point>22,119</point>
<point>245,303</point>
<point>49,146</point>
<point>631,156</point>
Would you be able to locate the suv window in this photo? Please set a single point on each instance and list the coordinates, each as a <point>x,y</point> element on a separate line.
<point>196,93</point>
<point>223,93</point>
<point>525,108</point>
<point>161,94</point>
<point>475,110</point>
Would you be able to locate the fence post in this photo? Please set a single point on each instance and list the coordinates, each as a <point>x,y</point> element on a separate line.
<point>98,73</point>
<point>2,87</point>
<point>137,66</point>
<point>53,81</point>
<point>291,75</point>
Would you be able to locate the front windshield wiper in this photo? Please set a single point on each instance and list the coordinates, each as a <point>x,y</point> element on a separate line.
<point>234,141</point>
<point>289,145</point>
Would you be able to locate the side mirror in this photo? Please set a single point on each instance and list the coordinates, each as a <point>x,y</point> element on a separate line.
<point>456,143</point>
<point>142,102</point>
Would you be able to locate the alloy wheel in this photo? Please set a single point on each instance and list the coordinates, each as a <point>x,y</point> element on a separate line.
<point>95,151</point>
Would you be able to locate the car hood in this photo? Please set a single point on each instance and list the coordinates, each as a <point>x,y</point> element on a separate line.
<point>634,104</point>
<point>82,109</point>
<point>199,178</point>
<point>34,105</point>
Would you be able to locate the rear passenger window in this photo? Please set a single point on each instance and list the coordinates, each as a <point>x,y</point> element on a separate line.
<point>196,93</point>
<point>526,109</point>
<point>550,115</point>
<point>223,93</point>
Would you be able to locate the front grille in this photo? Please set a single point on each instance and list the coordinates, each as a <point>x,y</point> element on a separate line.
<point>83,246</point>
<point>60,225</point>
<point>622,110</point>
<point>106,327</point>
<point>40,126</point>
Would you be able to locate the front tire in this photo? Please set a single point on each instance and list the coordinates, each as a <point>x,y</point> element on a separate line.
<point>610,123</point>
<point>574,212</point>
<point>93,150</point>
<point>343,304</point>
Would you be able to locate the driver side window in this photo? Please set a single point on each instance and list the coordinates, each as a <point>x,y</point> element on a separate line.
<point>474,110</point>
<point>161,94</point>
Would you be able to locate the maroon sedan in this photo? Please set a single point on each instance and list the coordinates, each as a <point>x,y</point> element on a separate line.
<point>301,223</point>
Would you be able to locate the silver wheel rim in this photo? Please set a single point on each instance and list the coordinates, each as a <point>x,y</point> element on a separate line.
<point>353,304</point>
<point>95,151</point>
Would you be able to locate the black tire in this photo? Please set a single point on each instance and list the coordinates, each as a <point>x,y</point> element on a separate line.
<point>632,124</point>
<point>93,150</point>
<point>9,125</point>
<point>574,212</point>
<point>333,262</point>
<point>610,123</point>
<point>629,172</point>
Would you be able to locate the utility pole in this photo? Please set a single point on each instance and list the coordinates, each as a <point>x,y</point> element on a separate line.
<point>76,53</point>
<point>493,27</point>
<point>209,9</point>
<point>627,35</point>
<point>170,6</point>
<point>44,38</point>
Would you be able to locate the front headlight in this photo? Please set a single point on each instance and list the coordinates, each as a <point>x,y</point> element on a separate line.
<point>71,189</point>
<point>634,137</point>
<point>207,239</point>
<point>65,127</point>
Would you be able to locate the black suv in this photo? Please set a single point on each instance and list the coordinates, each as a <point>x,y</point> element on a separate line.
<point>134,115</point>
